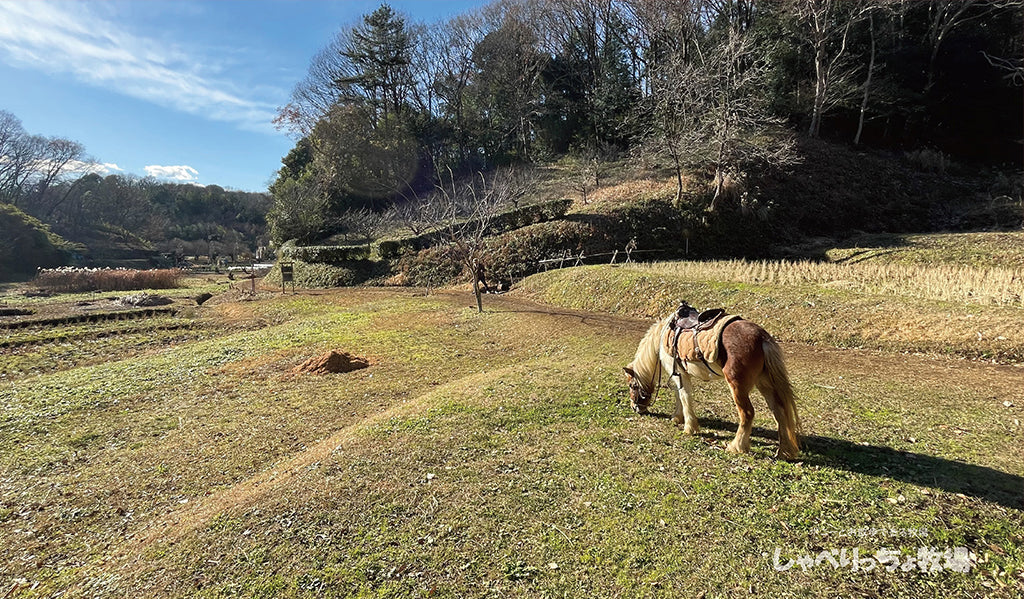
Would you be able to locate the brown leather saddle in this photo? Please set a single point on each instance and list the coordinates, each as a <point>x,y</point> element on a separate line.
<point>689,320</point>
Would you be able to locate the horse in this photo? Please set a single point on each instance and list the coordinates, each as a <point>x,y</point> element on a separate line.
<point>747,357</point>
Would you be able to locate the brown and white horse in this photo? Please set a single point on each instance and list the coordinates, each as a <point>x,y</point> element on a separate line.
<point>748,357</point>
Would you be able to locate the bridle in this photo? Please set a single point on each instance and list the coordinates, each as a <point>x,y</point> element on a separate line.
<point>644,398</point>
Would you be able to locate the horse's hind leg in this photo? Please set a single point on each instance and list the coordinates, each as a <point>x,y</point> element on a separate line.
<point>786,450</point>
<point>741,395</point>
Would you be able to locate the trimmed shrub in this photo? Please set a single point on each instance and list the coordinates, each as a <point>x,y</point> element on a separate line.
<point>517,253</point>
<point>319,275</point>
<point>432,267</point>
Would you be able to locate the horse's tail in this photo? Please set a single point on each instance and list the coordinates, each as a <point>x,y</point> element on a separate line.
<point>789,426</point>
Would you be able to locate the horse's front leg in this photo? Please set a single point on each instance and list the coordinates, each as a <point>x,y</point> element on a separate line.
<point>684,404</point>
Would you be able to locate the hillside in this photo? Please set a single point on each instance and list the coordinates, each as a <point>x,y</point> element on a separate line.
<point>27,244</point>
<point>811,210</point>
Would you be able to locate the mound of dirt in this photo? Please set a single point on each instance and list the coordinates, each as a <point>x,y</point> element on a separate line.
<point>332,361</point>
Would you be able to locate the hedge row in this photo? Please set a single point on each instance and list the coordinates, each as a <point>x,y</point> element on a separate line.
<point>656,225</point>
<point>319,275</point>
<point>327,254</point>
<point>506,221</point>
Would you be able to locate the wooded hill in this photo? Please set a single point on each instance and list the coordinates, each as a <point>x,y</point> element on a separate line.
<point>774,121</point>
<point>112,220</point>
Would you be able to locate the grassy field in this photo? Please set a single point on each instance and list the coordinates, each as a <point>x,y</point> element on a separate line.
<point>488,455</point>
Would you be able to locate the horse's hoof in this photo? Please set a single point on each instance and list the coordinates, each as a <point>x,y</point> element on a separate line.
<point>691,430</point>
<point>786,456</point>
<point>734,447</point>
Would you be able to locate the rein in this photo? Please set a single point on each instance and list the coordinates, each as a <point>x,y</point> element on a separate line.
<point>652,395</point>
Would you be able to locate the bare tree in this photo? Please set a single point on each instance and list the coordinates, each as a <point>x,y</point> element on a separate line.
<point>30,164</point>
<point>442,67</point>
<point>362,223</point>
<point>318,91</point>
<point>658,30</point>
<point>712,114</point>
<point>827,25</point>
<point>947,15</point>
<point>416,214</point>
<point>867,81</point>
<point>467,212</point>
<point>588,167</point>
<point>1012,68</point>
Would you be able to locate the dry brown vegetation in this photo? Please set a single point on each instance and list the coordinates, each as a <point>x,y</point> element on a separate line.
<point>944,282</point>
<point>76,280</point>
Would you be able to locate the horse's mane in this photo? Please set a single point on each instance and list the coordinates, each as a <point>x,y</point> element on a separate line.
<point>646,362</point>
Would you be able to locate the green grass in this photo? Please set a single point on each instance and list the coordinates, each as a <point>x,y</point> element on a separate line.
<point>483,455</point>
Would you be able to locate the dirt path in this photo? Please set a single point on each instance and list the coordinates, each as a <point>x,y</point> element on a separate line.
<point>978,375</point>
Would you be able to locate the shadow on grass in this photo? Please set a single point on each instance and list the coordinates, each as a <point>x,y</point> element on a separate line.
<point>919,469</point>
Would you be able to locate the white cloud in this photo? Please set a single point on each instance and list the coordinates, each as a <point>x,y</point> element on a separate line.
<point>79,167</point>
<point>69,38</point>
<point>71,167</point>
<point>174,173</point>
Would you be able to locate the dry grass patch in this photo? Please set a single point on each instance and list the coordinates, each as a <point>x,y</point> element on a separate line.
<point>992,249</point>
<point>795,305</point>
<point>632,191</point>
<point>952,283</point>
<point>76,280</point>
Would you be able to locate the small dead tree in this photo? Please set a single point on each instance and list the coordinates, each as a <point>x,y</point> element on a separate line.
<point>585,177</point>
<point>467,212</point>
<point>416,215</point>
<point>363,224</point>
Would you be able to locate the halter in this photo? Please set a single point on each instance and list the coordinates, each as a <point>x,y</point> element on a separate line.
<point>645,398</point>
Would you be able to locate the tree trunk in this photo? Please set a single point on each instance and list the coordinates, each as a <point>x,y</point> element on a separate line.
<point>867,83</point>
<point>476,269</point>
<point>679,173</point>
<point>820,85</point>
<point>479,296</point>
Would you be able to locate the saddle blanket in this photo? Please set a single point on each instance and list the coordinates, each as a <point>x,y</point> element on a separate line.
<point>709,341</point>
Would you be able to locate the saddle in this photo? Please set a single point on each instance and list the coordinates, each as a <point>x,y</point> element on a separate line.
<point>689,320</point>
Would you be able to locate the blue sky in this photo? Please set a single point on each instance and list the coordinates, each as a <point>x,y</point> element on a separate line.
<point>181,90</point>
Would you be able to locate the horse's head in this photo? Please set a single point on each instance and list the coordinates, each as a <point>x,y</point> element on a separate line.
<point>639,396</point>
